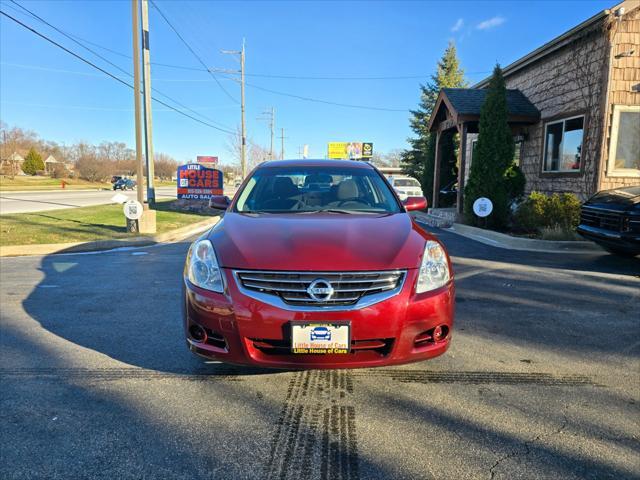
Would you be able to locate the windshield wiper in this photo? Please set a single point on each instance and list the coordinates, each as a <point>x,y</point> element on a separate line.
<point>349,212</point>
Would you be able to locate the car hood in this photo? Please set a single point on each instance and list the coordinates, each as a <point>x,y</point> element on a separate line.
<point>620,198</point>
<point>318,241</point>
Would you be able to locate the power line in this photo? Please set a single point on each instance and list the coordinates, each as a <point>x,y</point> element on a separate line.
<point>317,100</point>
<point>88,62</point>
<point>261,75</point>
<point>192,50</point>
<point>70,37</point>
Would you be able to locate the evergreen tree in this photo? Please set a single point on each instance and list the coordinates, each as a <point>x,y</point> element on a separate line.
<point>419,160</point>
<point>32,162</point>
<point>493,174</point>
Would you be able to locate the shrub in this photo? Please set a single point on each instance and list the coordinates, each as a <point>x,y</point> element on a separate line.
<point>492,158</point>
<point>515,182</point>
<point>558,233</point>
<point>555,212</point>
<point>59,171</point>
<point>32,163</point>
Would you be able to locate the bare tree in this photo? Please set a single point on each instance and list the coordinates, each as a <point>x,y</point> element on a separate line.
<point>256,153</point>
<point>165,166</point>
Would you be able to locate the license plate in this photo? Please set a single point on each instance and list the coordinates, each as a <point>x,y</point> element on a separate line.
<point>320,338</point>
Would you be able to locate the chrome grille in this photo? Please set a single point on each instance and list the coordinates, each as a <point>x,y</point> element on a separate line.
<point>348,287</point>
<point>606,219</point>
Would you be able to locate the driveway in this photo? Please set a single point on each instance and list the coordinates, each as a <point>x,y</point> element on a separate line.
<point>542,380</point>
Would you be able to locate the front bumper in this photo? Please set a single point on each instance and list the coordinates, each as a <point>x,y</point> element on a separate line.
<point>610,238</point>
<point>246,331</point>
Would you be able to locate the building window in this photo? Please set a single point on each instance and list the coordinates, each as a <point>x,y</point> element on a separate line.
<point>624,148</point>
<point>563,145</point>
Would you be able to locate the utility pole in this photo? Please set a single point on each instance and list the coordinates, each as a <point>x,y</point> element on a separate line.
<point>273,126</point>
<point>136,96</point>
<point>282,137</point>
<point>243,144</point>
<point>271,117</point>
<point>146,84</point>
<point>243,153</point>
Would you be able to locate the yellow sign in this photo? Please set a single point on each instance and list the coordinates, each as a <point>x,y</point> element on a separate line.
<point>350,150</point>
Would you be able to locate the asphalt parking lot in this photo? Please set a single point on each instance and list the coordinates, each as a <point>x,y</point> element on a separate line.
<point>542,380</point>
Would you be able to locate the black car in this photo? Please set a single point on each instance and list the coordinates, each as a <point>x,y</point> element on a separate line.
<point>611,218</point>
<point>449,194</point>
<point>124,184</point>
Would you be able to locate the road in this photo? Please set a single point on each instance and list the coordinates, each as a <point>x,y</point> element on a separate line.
<point>24,202</point>
<point>542,380</point>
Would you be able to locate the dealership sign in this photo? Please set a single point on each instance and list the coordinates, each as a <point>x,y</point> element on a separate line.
<point>207,161</point>
<point>351,150</point>
<point>197,182</point>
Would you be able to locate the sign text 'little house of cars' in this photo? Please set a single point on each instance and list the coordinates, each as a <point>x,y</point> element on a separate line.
<point>196,182</point>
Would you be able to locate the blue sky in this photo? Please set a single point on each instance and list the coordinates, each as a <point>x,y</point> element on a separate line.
<point>44,89</point>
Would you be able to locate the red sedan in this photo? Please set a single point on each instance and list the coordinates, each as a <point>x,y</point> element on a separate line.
<point>317,264</point>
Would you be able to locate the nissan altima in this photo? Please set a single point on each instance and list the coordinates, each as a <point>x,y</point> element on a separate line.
<point>317,264</point>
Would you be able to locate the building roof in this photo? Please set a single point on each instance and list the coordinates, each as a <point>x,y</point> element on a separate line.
<point>15,157</point>
<point>51,159</point>
<point>554,44</point>
<point>464,105</point>
<point>468,101</point>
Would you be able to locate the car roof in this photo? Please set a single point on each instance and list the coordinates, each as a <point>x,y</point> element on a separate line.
<point>315,163</point>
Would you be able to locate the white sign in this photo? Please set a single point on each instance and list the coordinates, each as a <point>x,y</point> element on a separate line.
<point>482,207</point>
<point>133,210</point>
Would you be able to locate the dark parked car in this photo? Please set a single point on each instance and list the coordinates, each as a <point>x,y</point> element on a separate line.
<point>115,178</point>
<point>612,219</point>
<point>449,194</point>
<point>124,184</point>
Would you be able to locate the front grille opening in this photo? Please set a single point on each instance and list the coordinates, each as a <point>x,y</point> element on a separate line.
<point>605,219</point>
<point>381,346</point>
<point>347,287</point>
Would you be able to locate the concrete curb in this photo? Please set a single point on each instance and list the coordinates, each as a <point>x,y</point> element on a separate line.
<point>52,248</point>
<point>501,240</point>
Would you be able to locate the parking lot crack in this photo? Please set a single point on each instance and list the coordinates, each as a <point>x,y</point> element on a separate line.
<point>527,446</point>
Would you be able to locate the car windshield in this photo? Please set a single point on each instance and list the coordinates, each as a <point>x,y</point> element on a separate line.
<point>406,182</point>
<point>316,189</point>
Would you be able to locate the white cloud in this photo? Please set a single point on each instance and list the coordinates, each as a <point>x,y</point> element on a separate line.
<point>491,23</point>
<point>458,25</point>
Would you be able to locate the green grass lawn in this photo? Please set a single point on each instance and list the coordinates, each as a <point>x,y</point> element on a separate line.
<point>103,222</point>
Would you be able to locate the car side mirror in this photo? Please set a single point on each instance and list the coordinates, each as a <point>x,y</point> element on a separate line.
<point>415,203</point>
<point>220,202</point>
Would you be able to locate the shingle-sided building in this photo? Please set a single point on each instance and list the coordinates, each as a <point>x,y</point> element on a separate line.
<point>574,108</point>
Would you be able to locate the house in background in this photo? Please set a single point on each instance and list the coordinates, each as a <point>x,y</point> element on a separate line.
<point>50,164</point>
<point>12,165</point>
<point>574,109</point>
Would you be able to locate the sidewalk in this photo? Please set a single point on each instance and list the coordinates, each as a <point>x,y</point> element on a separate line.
<point>501,240</point>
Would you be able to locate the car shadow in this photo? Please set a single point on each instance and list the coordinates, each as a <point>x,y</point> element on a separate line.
<point>123,304</point>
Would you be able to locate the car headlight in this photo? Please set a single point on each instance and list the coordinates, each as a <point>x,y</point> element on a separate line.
<point>204,271</point>
<point>434,269</point>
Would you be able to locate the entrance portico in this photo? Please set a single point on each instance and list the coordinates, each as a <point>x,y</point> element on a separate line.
<point>458,109</point>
